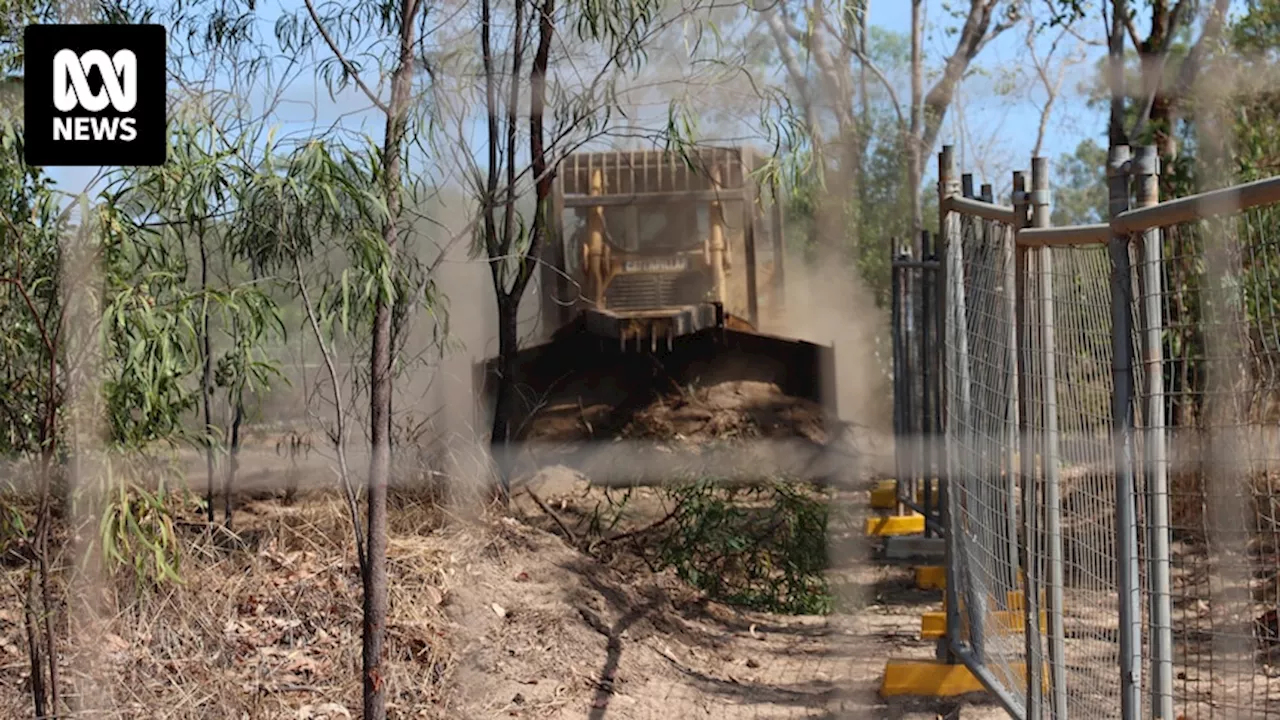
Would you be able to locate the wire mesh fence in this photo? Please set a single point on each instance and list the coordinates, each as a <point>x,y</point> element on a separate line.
<point>981,440</point>
<point>1080,601</point>
<point>1219,342</point>
<point>1113,465</point>
<point>917,301</point>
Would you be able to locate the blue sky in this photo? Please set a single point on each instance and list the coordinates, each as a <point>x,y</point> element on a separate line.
<point>1001,127</point>
<point>1012,119</point>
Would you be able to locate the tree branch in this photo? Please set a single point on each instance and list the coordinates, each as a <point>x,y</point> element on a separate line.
<point>346,64</point>
<point>879,74</point>
<point>1189,70</point>
<point>940,95</point>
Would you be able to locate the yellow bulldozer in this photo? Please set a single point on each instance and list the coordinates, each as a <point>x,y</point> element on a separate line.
<point>656,282</point>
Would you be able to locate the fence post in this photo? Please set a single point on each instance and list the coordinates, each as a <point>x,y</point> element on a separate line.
<point>1147,173</point>
<point>899,374</point>
<point>910,407</point>
<point>1129,591</point>
<point>927,406</point>
<point>1052,488</point>
<point>948,241</point>
<point>937,444</point>
<point>972,460</point>
<point>1026,451</point>
<point>1009,373</point>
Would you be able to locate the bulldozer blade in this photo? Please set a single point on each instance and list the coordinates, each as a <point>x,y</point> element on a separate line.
<point>582,388</point>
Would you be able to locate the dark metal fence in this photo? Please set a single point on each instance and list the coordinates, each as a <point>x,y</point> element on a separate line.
<point>918,303</point>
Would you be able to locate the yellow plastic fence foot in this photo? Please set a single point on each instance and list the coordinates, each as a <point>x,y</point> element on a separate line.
<point>1018,601</point>
<point>927,678</point>
<point>931,577</point>
<point>933,625</point>
<point>937,678</point>
<point>884,496</point>
<point>891,525</point>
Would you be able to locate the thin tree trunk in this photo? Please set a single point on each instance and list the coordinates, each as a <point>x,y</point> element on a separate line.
<point>508,345</point>
<point>498,248</point>
<point>1115,51</point>
<point>46,598</point>
<point>233,459</point>
<point>494,246</point>
<point>33,647</point>
<point>375,580</point>
<point>206,381</point>
<point>508,306</point>
<point>864,130</point>
<point>915,150</point>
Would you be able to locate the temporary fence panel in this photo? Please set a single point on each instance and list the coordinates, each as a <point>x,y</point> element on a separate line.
<point>1111,397</point>
<point>918,398</point>
<point>981,441</point>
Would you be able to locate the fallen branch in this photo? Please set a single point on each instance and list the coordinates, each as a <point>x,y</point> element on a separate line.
<point>573,540</point>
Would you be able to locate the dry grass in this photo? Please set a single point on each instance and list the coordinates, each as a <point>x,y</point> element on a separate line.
<point>264,625</point>
<point>490,618</point>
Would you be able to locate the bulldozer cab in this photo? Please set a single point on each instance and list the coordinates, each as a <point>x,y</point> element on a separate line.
<point>646,233</point>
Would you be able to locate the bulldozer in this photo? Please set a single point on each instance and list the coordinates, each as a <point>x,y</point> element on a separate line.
<point>656,279</point>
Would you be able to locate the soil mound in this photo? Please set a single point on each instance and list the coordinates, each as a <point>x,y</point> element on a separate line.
<point>742,409</point>
<point>736,429</point>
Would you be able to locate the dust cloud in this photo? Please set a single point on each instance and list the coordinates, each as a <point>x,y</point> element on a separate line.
<point>827,304</point>
<point>830,305</point>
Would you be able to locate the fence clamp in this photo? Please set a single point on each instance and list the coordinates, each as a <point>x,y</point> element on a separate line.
<point>1124,168</point>
<point>1040,197</point>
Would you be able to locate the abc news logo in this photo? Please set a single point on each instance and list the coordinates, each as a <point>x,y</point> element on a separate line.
<point>95,95</point>
<point>71,90</point>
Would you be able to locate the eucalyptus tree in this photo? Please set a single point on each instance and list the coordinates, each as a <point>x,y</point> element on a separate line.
<point>296,204</point>
<point>1180,40</point>
<point>826,51</point>
<point>31,384</point>
<point>388,33</point>
<point>541,79</point>
<point>140,316</point>
<point>189,207</point>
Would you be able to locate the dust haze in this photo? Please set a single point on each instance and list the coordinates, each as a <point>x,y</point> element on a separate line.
<point>830,305</point>
<point>824,303</point>
<point>827,305</point>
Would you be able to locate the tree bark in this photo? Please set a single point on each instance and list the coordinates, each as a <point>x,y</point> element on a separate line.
<point>915,143</point>
<point>206,380</point>
<point>233,459</point>
<point>508,346</point>
<point>509,299</point>
<point>1116,134</point>
<point>33,647</point>
<point>375,579</point>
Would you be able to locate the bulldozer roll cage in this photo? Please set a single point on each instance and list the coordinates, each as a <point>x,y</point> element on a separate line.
<point>718,182</point>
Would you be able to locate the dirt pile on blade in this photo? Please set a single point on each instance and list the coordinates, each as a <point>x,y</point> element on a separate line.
<point>746,430</point>
<point>728,410</point>
<point>717,412</point>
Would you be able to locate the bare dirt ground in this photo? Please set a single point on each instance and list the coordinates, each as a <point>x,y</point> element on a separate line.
<point>522,616</point>
<point>707,660</point>
<point>490,619</point>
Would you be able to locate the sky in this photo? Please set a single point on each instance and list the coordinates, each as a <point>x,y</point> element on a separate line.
<point>1014,118</point>
<point>994,132</point>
